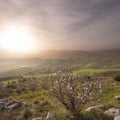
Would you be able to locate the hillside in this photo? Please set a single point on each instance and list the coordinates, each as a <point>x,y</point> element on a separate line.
<point>77,59</point>
<point>26,93</point>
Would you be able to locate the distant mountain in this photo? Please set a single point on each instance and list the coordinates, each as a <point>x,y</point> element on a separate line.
<point>63,54</point>
<point>60,54</point>
<point>108,51</point>
<point>52,58</point>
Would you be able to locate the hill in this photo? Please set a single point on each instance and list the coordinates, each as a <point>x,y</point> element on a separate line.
<point>78,59</point>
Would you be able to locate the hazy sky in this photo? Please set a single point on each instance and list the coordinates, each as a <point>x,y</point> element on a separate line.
<point>65,24</point>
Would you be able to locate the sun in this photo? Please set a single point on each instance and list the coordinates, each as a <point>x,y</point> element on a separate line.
<point>16,39</point>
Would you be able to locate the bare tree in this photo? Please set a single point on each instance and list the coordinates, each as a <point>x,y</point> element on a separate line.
<point>75,91</point>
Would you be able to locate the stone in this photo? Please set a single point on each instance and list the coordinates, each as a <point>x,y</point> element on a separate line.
<point>117,97</point>
<point>2,104</point>
<point>72,117</point>
<point>117,117</point>
<point>38,118</point>
<point>12,106</point>
<point>50,115</point>
<point>10,101</point>
<point>2,100</point>
<point>42,103</point>
<point>24,103</point>
<point>112,112</point>
<point>94,108</point>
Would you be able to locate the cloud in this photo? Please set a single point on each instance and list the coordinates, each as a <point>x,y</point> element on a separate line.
<point>66,21</point>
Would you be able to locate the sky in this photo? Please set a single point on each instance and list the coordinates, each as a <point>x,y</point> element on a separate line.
<point>65,24</point>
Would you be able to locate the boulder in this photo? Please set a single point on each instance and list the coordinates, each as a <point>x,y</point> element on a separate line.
<point>117,97</point>
<point>112,112</point>
<point>94,108</point>
<point>38,118</point>
<point>117,117</point>
<point>50,115</point>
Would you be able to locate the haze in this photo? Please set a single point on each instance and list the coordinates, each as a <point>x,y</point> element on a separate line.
<point>64,24</point>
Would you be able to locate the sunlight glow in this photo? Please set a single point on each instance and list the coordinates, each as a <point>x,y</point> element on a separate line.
<point>16,39</point>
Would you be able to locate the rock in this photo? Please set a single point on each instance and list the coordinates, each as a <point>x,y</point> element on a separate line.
<point>50,115</point>
<point>12,106</point>
<point>94,108</point>
<point>24,103</point>
<point>2,100</point>
<point>38,118</point>
<point>2,103</point>
<point>117,117</point>
<point>10,101</point>
<point>72,117</point>
<point>41,103</point>
<point>117,97</point>
<point>112,112</point>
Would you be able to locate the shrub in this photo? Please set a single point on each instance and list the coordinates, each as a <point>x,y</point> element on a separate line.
<point>75,91</point>
<point>5,92</point>
<point>12,86</point>
<point>95,116</point>
<point>27,113</point>
<point>117,77</point>
<point>1,109</point>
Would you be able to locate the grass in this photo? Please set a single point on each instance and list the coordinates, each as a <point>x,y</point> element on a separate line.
<point>9,81</point>
<point>53,104</point>
<point>109,94</point>
<point>95,71</point>
<point>83,65</point>
<point>90,71</point>
<point>95,116</point>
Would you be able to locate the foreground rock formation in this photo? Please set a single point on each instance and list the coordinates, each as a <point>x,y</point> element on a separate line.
<point>10,103</point>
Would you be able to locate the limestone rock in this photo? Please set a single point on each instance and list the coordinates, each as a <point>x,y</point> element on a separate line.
<point>50,115</point>
<point>117,117</point>
<point>94,108</point>
<point>117,97</point>
<point>112,112</point>
<point>42,103</point>
<point>12,106</point>
<point>2,103</point>
<point>38,118</point>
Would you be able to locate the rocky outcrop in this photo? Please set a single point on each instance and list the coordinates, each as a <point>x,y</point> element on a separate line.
<point>10,103</point>
<point>12,106</point>
<point>112,112</point>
